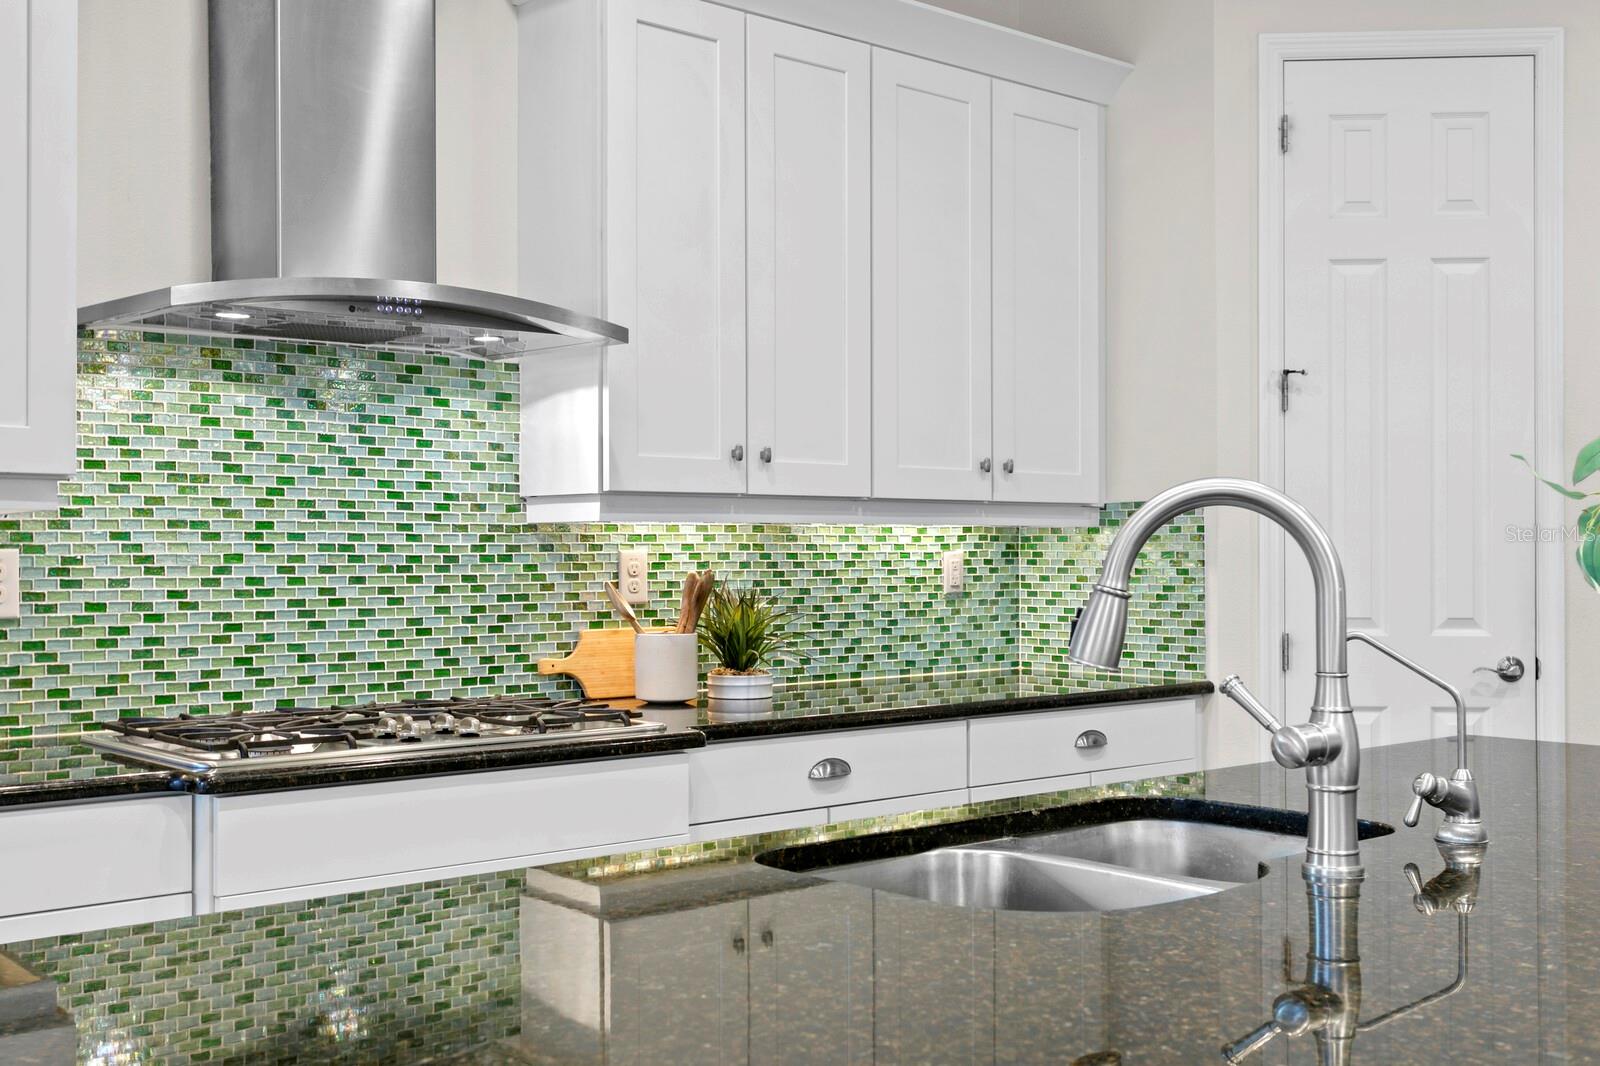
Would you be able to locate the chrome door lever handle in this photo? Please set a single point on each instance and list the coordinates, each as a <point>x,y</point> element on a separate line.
<point>1509,668</point>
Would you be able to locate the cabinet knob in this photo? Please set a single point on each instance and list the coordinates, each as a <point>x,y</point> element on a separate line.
<point>738,943</point>
<point>986,465</point>
<point>1008,466</point>
<point>766,938</point>
<point>766,455</point>
<point>1090,738</point>
<point>828,769</point>
<point>738,453</point>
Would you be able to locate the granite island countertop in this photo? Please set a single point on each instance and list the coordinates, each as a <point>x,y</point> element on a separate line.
<point>59,767</point>
<point>740,961</point>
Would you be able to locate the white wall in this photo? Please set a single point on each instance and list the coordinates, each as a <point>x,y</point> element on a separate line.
<point>144,181</point>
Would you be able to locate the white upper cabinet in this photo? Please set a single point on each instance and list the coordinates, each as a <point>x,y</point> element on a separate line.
<point>810,261</point>
<point>1047,297</point>
<point>858,248</point>
<point>675,254</point>
<point>932,366</point>
<point>38,249</point>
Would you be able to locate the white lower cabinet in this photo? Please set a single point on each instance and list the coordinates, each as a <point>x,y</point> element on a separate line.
<point>1051,750</point>
<point>279,846</point>
<point>762,777</point>
<point>80,866</point>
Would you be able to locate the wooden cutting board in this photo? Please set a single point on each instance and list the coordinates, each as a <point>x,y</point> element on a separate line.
<point>602,662</point>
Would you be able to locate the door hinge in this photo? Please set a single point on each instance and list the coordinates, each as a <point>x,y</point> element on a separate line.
<point>1283,388</point>
<point>1283,653</point>
<point>1283,134</point>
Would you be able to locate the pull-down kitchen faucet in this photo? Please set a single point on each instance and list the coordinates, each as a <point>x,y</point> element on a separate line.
<point>1326,746</point>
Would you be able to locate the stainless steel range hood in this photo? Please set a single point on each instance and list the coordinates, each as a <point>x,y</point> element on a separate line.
<point>323,196</point>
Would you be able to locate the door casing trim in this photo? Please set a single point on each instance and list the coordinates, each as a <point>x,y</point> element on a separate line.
<point>1547,47</point>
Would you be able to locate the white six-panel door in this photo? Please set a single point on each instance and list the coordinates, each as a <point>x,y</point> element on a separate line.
<point>810,262</point>
<point>1409,303</point>
<point>932,362</point>
<point>675,249</point>
<point>1047,269</point>
<point>38,242</point>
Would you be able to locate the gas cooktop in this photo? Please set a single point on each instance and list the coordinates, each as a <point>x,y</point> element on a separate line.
<point>238,743</point>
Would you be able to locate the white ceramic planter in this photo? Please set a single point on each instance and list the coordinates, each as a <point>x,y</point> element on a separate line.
<point>739,686</point>
<point>666,667</point>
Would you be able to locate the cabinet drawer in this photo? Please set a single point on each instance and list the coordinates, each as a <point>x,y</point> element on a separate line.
<point>754,777</point>
<point>1020,747</point>
<point>314,836</point>
<point>84,854</point>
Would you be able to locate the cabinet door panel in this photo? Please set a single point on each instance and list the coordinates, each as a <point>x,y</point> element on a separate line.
<point>810,298</point>
<point>38,239</point>
<point>931,299</point>
<point>1047,322</point>
<point>675,246</point>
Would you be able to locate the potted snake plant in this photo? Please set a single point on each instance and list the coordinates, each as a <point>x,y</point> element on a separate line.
<point>745,632</point>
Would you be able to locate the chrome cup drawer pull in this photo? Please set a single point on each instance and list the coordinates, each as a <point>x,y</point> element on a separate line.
<point>1090,738</point>
<point>828,769</point>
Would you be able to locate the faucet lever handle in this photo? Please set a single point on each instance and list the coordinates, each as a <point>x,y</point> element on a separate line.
<point>1234,688</point>
<point>1414,813</point>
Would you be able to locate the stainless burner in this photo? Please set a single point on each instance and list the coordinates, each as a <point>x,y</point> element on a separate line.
<point>239,743</point>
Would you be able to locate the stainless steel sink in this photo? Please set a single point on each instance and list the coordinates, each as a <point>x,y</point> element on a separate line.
<point>1169,847</point>
<point>1112,866</point>
<point>995,878</point>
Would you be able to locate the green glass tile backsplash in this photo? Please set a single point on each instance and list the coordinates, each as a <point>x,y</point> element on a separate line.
<point>255,525</point>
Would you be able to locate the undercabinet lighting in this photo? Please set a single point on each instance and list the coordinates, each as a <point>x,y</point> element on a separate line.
<point>232,316</point>
<point>487,338</point>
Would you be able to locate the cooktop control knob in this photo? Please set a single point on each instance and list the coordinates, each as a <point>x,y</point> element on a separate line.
<point>468,727</point>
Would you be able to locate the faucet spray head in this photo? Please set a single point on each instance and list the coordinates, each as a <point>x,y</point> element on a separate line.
<point>1100,628</point>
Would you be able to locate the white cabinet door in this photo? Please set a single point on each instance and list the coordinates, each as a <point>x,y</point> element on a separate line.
<point>1047,339</point>
<point>931,299</point>
<point>810,299</point>
<point>38,247</point>
<point>675,241</point>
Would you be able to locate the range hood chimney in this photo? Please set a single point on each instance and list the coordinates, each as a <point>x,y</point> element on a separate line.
<point>323,196</point>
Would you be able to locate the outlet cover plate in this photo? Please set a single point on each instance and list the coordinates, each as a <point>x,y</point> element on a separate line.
<point>955,572</point>
<point>10,584</point>
<point>633,574</point>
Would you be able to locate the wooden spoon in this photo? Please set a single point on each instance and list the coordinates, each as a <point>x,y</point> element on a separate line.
<point>706,580</point>
<point>622,607</point>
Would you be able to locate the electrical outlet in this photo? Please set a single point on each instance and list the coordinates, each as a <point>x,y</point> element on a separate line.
<point>633,575</point>
<point>955,572</point>
<point>10,583</point>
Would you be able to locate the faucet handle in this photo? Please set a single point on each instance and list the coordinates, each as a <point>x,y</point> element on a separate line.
<point>1414,813</point>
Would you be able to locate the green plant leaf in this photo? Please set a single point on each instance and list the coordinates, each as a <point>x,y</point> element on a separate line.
<point>1571,494</point>
<point>1587,463</point>
<point>1589,546</point>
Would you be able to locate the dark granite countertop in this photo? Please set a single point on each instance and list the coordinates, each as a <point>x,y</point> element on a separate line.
<point>747,962</point>
<point>896,700</point>
<point>60,768</point>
